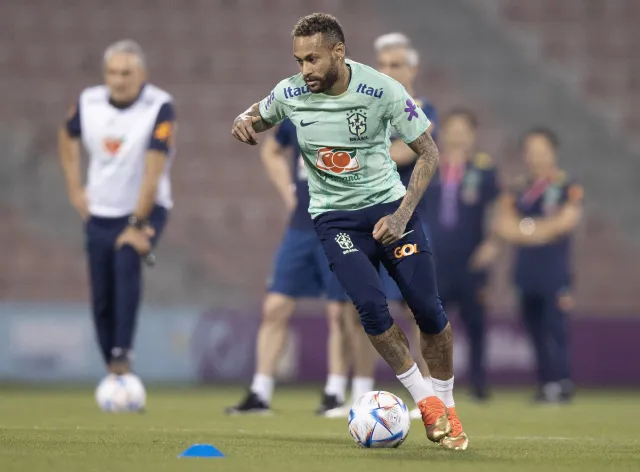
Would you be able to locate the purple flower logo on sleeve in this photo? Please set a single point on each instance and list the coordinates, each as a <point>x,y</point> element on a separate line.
<point>411,109</point>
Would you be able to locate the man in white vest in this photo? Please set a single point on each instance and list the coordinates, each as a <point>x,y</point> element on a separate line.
<point>127,128</point>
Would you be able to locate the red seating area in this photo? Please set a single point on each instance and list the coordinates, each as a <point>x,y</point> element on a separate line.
<point>216,57</point>
<point>36,269</point>
<point>598,42</point>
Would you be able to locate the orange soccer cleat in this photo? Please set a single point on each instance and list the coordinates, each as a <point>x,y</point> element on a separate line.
<point>457,439</point>
<point>434,416</point>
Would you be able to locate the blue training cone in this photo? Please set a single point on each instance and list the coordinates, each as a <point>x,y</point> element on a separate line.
<point>201,450</point>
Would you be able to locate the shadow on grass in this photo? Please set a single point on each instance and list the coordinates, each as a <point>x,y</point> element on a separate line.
<point>405,452</point>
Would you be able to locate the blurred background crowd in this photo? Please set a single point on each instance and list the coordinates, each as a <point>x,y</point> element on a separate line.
<point>571,65</point>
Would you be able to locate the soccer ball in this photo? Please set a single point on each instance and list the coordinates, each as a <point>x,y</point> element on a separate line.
<point>118,393</point>
<point>379,419</point>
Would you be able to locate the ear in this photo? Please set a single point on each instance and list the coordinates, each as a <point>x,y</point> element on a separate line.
<point>339,50</point>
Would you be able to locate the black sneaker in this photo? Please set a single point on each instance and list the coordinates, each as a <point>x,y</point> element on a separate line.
<point>329,402</point>
<point>252,404</point>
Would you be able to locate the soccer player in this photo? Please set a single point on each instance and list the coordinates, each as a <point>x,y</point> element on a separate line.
<point>343,112</point>
<point>397,59</point>
<point>301,270</point>
<point>458,203</point>
<point>127,129</point>
<point>538,215</point>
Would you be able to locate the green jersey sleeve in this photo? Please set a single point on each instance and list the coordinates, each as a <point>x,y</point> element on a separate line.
<point>407,118</point>
<point>273,108</point>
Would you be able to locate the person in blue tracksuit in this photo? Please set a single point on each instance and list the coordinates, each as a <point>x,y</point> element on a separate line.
<point>539,215</point>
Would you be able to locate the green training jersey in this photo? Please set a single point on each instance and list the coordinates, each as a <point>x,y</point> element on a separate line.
<point>345,139</point>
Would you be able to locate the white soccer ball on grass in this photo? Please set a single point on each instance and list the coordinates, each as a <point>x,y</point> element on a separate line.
<point>379,419</point>
<point>121,393</point>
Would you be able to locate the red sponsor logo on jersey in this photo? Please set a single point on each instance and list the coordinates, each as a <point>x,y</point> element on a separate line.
<point>337,160</point>
<point>112,145</point>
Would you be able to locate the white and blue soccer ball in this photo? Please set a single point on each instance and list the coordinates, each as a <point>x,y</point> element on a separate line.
<point>121,393</point>
<point>379,419</point>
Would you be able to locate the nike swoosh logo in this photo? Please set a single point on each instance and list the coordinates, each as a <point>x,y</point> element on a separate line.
<point>303,124</point>
<point>408,232</point>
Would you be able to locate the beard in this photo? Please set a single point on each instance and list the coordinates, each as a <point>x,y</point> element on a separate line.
<point>325,83</point>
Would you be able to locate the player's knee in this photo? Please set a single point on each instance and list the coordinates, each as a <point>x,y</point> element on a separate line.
<point>277,308</point>
<point>421,293</point>
<point>430,315</point>
<point>374,316</point>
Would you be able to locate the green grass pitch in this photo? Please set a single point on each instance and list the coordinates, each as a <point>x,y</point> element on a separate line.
<point>61,429</point>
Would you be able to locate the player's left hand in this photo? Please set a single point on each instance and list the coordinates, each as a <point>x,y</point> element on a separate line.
<point>138,239</point>
<point>389,229</point>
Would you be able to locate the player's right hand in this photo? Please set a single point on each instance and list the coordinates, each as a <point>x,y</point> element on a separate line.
<point>243,129</point>
<point>389,229</point>
<point>78,199</point>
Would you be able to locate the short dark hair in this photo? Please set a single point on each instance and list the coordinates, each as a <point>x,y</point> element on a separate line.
<point>465,113</point>
<point>547,133</point>
<point>323,23</point>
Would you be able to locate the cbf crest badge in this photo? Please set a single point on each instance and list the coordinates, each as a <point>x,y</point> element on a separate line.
<point>345,243</point>
<point>357,122</point>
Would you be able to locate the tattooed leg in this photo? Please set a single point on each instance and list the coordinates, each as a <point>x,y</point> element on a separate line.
<point>437,350</point>
<point>393,347</point>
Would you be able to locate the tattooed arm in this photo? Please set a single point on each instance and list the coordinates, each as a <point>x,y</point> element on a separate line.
<point>391,228</point>
<point>426,165</point>
<point>248,124</point>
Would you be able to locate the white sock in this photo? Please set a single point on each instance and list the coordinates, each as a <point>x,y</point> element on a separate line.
<point>360,386</point>
<point>444,390</point>
<point>262,386</point>
<point>336,385</point>
<point>415,383</point>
